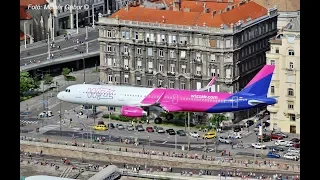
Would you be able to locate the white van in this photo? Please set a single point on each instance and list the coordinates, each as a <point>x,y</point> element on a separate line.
<point>46,114</point>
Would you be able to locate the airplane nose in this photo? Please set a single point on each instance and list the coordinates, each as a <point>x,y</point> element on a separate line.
<point>60,96</point>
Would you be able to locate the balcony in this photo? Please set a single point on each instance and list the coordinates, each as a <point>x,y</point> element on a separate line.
<point>197,76</point>
<point>291,98</point>
<point>149,72</point>
<point>125,69</point>
<point>126,54</point>
<point>171,74</point>
<point>228,81</point>
<point>273,109</point>
<point>197,61</point>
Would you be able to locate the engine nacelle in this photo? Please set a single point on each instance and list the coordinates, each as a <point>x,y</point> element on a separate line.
<point>130,111</point>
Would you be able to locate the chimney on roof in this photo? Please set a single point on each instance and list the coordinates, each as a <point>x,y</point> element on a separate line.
<point>176,5</point>
<point>214,13</point>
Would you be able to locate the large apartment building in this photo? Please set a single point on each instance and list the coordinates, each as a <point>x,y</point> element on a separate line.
<point>185,43</point>
<point>285,55</point>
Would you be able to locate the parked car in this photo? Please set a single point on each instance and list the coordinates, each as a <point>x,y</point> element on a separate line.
<point>265,138</point>
<point>290,144</point>
<point>236,129</point>
<point>295,140</point>
<point>159,129</point>
<point>281,142</point>
<point>209,135</point>
<point>181,133</point>
<point>291,156</point>
<point>100,127</point>
<point>235,136</point>
<point>130,128</point>
<point>294,150</point>
<point>276,136</point>
<point>139,128</point>
<point>258,145</point>
<point>111,126</point>
<point>194,134</point>
<point>120,126</point>
<point>276,149</point>
<point>150,129</point>
<point>296,145</point>
<point>170,132</point>
<point>250,123</point>
<point>273,155</point>
<point>280,134</point>
<point>224,139</point>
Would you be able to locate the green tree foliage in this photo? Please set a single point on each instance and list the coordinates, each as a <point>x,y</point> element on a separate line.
<point>65,71</point>
<point>216,119</point>
<point>48,79</point>
<point>26,82</point>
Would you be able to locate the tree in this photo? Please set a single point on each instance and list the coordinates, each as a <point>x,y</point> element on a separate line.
<point>65,71</point>
<point>48,79</point>
<point>26,82</point>
<point>216,119</point>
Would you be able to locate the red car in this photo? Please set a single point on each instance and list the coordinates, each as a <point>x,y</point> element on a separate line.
<point>276,136</point>
<point>150,129</point>
<point>296,145</point>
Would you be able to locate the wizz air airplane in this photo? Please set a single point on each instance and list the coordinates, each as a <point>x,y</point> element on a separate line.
<point>139,101</point>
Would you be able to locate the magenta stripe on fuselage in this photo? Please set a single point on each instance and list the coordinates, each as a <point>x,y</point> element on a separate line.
<point>265,71</point>
<point>185,99</point>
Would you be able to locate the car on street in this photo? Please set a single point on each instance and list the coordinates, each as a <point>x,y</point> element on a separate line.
<point>276,136</point>
<point>276,148</point>
<point>111,126</point>
<point>294,150</point>
<point>295,140</point>
<point>224,139</point>
<point>281,142</point>
<point>181,133</point>
<point>258,146</point>
<point>236,129</point>
<point>235,136</point>
<point>159,129</point>
<point>194,134</point>
<point>130,128</point>
<point>170,132</point>
<point>291,156</point>
<point>250,123</point>
<point>139,128</point>
<point>209,135</point>
<point>273,155</point>
<point>280,134</point>
<point>46,114</point>
<point>150,129</point>
<point>120,126</point>
<point>100,127</point>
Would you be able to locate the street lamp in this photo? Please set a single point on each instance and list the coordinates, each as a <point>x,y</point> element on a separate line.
<point>77,20</point>
<point>60,119</point>
<point>48,45</point>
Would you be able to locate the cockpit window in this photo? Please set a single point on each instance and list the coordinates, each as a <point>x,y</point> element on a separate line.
<point>67,90</point>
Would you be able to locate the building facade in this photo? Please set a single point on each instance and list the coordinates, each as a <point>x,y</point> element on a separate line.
<point>285,55</point>
<point>159,51</point>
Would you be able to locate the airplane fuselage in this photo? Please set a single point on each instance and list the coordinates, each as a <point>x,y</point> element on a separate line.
<point>185,100</point>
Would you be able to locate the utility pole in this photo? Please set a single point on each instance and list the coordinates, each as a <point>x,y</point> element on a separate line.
<point>60,115</point>
<point>52,27</point>
<point>48,46</point>
<point>84,70</point>
<point>93,16</point>
<point>25,35</point>
<point>188,131</point>
<point>77,20</point>
<point>42,77</point>
<point>86,32</point>
<point>109,130</point>
<point>175,144</point>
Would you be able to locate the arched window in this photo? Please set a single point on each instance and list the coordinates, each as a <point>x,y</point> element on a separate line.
<point>290,92</point>
<point>291,65</point>
<point>291,52</point>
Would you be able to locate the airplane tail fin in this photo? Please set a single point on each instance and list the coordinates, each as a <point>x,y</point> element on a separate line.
<point>259,85</point>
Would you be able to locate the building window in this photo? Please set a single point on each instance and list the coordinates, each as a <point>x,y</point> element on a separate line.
<point>290,106</point>
<point>109,34</point>
<point>113,49</point>
<point>139,65</point>
<point>149,51</point>
<point>171,84</point>
<point>114,62</point>
<point>139,51</point>
<point>123,34</point>
<point>290,92</point>
<point>291,65</point>
<point>125,49</point>
<point>161,67</point>
<point>150,66</point>
<point>138,80</point>
<point>272,89</point>
<point>198,57</point>
<point>110,77</point>
<point>126,78</point>
<point>161,52</point>
<point>183,54</point>
<point>293,129</point>
<point>109,48</point>
<point>291,52</point>
<point>160,83</point>
<point>183,69</point>
<point>272,62</point>
<point>277,50</point>
<point>172,68</point>
<point>213,57</point>
<point>137,35</point>
<point>292,117</point>
<point>150,83</point>
<point>183,86</point>
<point>198,70</point>
<point>171,53</point>
<point>126,63</point>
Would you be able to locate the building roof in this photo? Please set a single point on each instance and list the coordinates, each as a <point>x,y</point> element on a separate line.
<point>247,11</point>
<point>32,2</point>
<point>22,36</point>
<point>282,5</point>
<point>293,25</point>
<point>24,14</point>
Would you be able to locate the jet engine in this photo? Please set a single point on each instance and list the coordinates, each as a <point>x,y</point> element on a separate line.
<point>130,111</point>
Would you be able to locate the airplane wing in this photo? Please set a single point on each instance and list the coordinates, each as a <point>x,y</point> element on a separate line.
<point>170,107</point>
<point>209,84</point>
